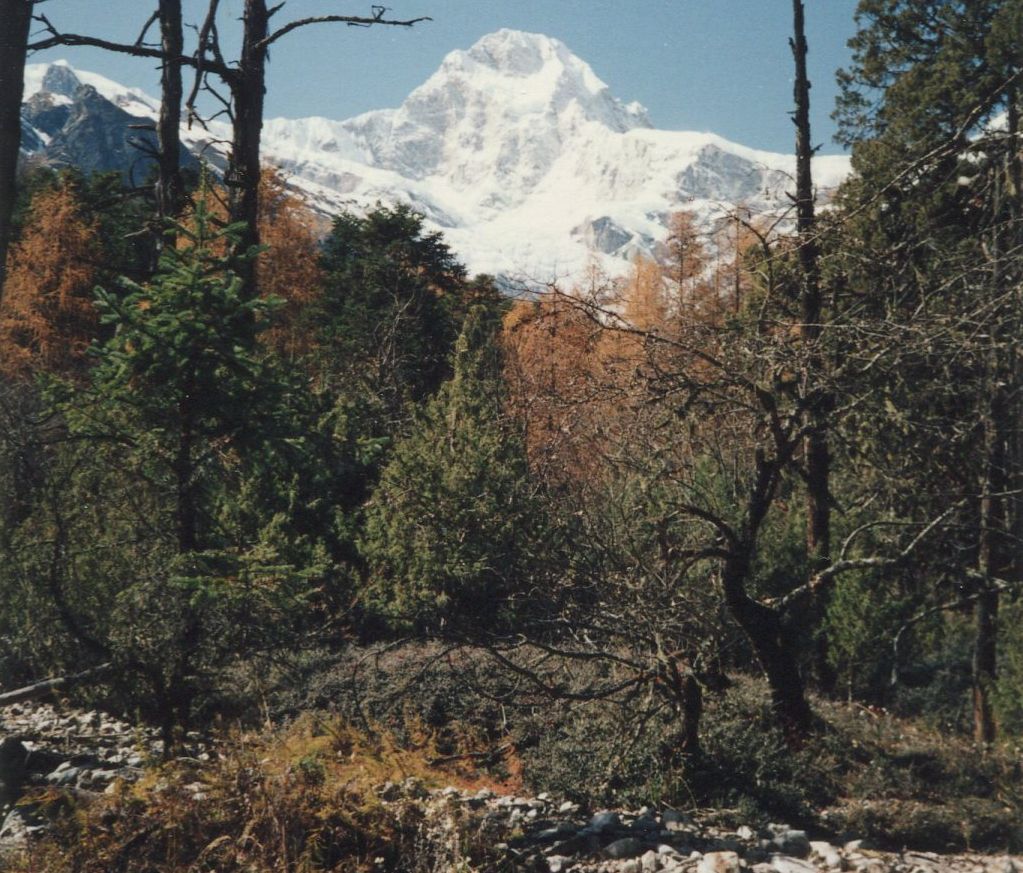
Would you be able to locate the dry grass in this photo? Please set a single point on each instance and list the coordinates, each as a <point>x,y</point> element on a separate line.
<point>298,800</point>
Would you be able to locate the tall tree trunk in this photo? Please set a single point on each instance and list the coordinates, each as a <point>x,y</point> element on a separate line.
<point>15,20</point>
<point>996,557</point>
<point>816,453</point>
<point>248,89</point>
<point>170,190</point>
<point>994,560</point>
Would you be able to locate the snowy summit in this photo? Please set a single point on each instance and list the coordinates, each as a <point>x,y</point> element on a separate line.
<point>519,153</point>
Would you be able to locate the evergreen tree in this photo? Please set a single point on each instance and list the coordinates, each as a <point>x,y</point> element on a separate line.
<point>386,321</point>
<point>182,407</point>
<point>931,104</point>
<point>454,525</point>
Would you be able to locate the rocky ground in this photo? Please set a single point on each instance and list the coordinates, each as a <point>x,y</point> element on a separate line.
<point>78,751</point>
<point>554,836</point>
<point>86,753</point>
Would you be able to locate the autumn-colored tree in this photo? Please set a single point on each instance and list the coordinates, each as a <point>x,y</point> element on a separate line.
<point>47,320</point>
<point>645,304</point>
<point>685,260</point>
<point>289,269</point>
<point>550,356</point>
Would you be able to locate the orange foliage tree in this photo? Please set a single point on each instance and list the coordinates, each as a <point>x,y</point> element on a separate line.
<point>289,268</point>
<point>47,320</point>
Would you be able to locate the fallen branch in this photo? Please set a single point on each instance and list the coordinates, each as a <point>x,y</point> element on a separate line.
<point>41,689</point>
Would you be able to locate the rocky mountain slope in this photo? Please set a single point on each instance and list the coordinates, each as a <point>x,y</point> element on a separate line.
<point>515,149</point>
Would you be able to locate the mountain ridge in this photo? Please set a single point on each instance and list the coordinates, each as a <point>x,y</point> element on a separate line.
<point>514,148</point>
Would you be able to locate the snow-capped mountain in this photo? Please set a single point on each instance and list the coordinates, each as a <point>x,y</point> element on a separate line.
<point>515,149</point>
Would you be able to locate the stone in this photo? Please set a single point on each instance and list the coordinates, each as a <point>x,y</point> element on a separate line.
<point>650,862</point>
<point>13,756</point>
<point>568,807</point>
<point>552,834</point>
<point>627,847</point>
<point>673,815</point>
<point>744,832</point>
<point>604,820</point>
<point>793,843</point>
<point>756,855</point>
<point>646,824</point>
<point>558,863</point>
<point>579,844</point>
<point>631,866</point>
<point>827,853</point>
<point>719,862</point>
<point>786,864</point>
<point>65,775</point>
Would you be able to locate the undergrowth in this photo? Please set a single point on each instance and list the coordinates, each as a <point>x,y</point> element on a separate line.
<point>302,800</point>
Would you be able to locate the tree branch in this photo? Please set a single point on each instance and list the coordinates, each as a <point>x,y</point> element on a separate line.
<point>56,38</point>
<point>350,20</point>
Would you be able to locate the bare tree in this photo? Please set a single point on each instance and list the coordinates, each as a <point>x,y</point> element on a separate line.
<point>245,81</point>
<point>816,452</point>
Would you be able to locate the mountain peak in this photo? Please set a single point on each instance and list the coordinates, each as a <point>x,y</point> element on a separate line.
<point>60,78</point>
<point>500,111</point>
<point>535,72</point>
<point>516,52</point>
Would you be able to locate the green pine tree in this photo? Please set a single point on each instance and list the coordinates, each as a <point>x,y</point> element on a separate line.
<point>453,530</point>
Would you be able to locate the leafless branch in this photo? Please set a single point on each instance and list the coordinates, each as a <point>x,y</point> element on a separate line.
<point>350,20</point>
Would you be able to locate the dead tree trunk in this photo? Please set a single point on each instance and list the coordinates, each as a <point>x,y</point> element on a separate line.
<point>816,453</point>
<point>170,190</point>
<point>248,89</point>
<point>49,686</point>
<point>16,17</point>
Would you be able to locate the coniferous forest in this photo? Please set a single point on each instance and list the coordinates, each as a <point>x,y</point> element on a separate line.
<point>335,523</point>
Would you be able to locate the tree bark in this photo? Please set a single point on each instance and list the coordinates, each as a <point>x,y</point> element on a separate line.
<point>16,18</point>
<point>816,452</point>
<point>170,190</point>
<point>994,560</point>
<point>248,89</point>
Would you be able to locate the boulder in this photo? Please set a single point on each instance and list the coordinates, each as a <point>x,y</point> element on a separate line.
<point>627,847</point>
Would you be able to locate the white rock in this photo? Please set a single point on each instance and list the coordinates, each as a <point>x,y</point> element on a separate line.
<point>787,864</point>
<point>719,862</point>
<point>827,853</point>
<point>650,862</point>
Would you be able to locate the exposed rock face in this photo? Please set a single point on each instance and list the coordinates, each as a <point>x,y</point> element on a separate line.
<point>71,124</point>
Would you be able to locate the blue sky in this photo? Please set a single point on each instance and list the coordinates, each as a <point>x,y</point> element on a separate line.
<point>717,65</point>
